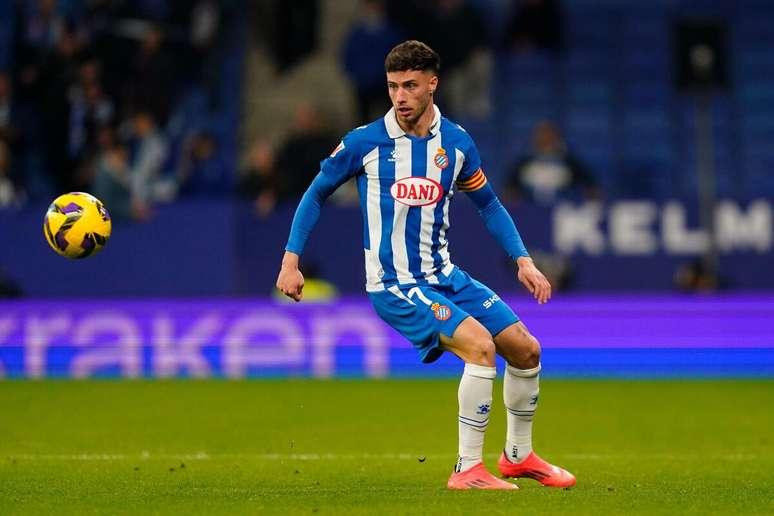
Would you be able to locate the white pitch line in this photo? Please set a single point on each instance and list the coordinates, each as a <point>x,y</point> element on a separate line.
<point>204,456</point>
<point>212,456</point>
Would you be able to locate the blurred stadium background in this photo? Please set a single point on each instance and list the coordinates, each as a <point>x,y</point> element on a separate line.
<point>633,142</point>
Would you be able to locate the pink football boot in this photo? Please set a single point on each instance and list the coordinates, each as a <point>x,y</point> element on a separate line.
<point>536,468</point>
<point>477,477</point>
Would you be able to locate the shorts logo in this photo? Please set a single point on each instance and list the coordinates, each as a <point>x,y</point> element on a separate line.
<point>491,301</point>
<point>441,312</point>
<point>441,159</point>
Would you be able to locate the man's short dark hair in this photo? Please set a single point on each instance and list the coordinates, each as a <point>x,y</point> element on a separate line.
<point>412,55</point>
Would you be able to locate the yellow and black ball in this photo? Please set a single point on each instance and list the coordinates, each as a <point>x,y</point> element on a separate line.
<point>77,225</point>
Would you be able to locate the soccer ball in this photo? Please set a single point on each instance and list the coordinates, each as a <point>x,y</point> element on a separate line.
<point>76,225</point>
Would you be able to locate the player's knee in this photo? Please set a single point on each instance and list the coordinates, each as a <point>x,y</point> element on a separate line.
<point>482,351</point>
<point>526,354</point>
<point>531,352</point>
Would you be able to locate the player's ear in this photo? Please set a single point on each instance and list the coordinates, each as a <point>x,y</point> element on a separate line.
<point>433,83</point>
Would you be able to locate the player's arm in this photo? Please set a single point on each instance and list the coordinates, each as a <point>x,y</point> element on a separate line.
<point>290,280</point>
<point>334,171</point>
<point>500,224</point>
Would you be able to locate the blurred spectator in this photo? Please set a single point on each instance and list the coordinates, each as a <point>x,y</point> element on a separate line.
<point>549,172</point>
<point>204,24</point>
<point>294,30</point>
<point>9,132</point>
<point>112,183</point>
<point>146,163</point>
<point>535,25</point>
<point>456,31</point>
<point>695,277</point>
<point>150,80</point>
<point>298,159</point>
<point>41,25</point>
<point>10,194</point>
<point>6,126</point>
<point>370,38</point>
<point>259,180</point>
<point>108,46</point>
<point>90,110</point>
<point>204,30</point>
<point>50,80</point>
<point>201,170</point>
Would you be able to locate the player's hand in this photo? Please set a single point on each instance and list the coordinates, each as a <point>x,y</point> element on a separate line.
<point>533,279</point>
<point>290,280</point>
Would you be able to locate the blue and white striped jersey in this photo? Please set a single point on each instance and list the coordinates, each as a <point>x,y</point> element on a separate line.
<point>405,185</point>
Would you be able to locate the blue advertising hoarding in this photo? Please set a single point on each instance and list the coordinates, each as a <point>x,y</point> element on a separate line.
<point>582,336</point>
<point>216,248</point>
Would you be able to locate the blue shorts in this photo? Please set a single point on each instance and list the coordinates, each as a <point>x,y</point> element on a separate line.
<point>421,313</point>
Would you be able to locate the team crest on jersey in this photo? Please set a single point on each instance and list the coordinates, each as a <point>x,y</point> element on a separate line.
<point>441,159</point>
<point>416,191</point>
<point>441,312</point>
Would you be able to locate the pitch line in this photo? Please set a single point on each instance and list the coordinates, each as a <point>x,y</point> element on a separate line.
<point>205,456</point>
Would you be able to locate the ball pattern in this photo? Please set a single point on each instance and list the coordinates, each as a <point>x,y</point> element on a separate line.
<point>77,225</point>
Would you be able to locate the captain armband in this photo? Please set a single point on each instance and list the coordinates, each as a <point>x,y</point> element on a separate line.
<point>473,183</point>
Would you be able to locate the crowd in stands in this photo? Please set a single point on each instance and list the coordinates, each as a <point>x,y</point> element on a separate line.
<point>454,28</point>
<point>91,94</point>
<point>92,100</point>
<point>272,176</point>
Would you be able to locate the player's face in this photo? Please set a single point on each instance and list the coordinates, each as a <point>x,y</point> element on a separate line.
<point>411,92</point>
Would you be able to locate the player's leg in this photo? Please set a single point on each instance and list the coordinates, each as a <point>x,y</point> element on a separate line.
<point>521,389</point>
<point>472,343</point>
<point>521,351</point>
<point>434,324</point>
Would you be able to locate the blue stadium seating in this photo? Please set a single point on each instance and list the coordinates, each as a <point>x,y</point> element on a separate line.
<point>615,99</point>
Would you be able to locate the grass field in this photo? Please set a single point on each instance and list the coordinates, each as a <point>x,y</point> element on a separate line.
<point>382,447</point>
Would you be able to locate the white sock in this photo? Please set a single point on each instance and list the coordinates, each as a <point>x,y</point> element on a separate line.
<point>520,393</point>
<point>475,402</point>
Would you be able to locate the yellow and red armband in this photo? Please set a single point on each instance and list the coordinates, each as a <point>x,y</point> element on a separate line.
<point>473,183</point>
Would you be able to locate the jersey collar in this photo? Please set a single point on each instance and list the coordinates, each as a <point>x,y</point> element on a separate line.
<point>394,130</point>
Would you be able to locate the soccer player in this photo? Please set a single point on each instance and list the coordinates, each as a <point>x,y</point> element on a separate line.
<point>407,166</point>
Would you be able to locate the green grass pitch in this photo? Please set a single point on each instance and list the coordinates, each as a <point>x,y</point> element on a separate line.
<point>375,447</point>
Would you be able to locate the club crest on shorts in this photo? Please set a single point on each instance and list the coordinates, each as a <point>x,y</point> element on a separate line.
<point>441,312</point>
<point>441,160</point>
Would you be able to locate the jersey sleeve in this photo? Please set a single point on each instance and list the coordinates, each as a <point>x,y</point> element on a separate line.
<point>344,162</point>
<point>498,221</point>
